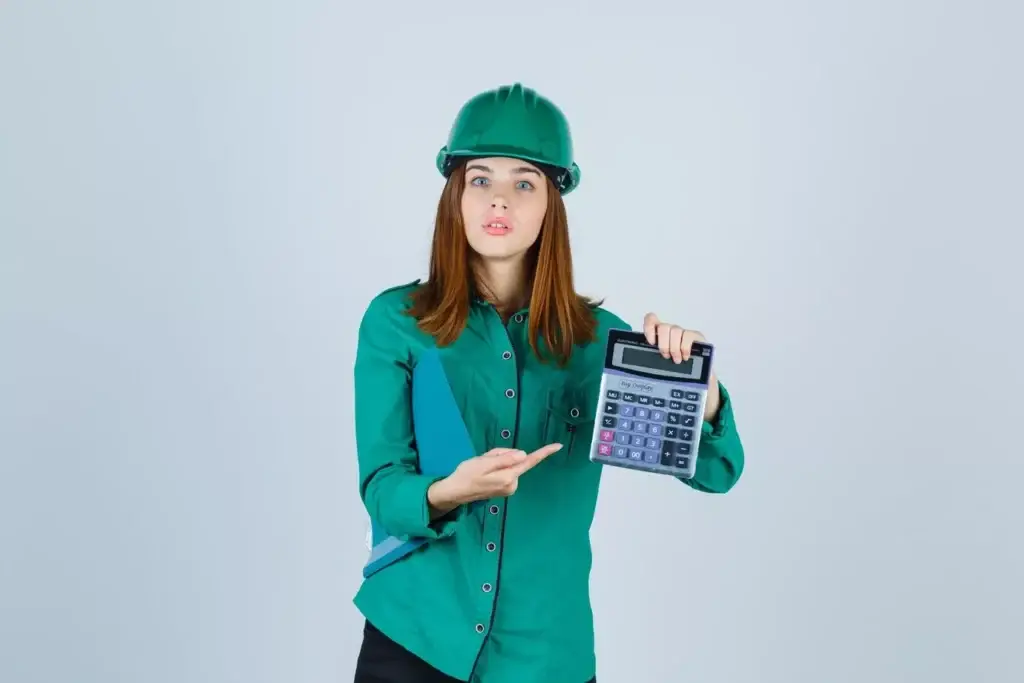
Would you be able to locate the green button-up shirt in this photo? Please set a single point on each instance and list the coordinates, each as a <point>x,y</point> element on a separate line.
<point>502,593</point>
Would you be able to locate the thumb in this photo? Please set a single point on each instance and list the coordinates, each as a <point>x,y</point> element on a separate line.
<point>506,458</point>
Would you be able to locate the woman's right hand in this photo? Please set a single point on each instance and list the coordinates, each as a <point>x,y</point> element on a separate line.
<point>494,474</point>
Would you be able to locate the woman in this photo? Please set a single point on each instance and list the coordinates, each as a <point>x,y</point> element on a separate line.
<point>500,593</point>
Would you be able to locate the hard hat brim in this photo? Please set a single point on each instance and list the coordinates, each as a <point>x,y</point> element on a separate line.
<point>565,178</point>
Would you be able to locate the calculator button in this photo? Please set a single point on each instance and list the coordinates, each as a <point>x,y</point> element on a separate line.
<point>625,424</point>
<point>682,448</point>
<point>644,400</point>
<point>626,411</point>
<point>658,415</point>
<point>675,405</point>
<point>683,463</point>
<point>620,452</point>
<point>658,402</point>
<point>611,408</point>
<point>642,413</point>
<point>608,421</point>
<point>612,394</point>
<point>604,449</point>
<point>668,454</point>
<point>689,420</point>
<point>686,434</point>
<point>671,432</point>
<point>651,456</point>
<point>629,397</point>
<point>607,435</point>
<point>640,427</point>
<point>690,407</point>
<point>673,418</point>
<point>636,454</point>
<point>692,396</point>
<point>622,438</point>
<point>677,393</point>
<point>653,444</point>
<point>655,430</point>
<point>639,441</point>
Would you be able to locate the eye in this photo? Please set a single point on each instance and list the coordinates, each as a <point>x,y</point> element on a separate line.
<point>478,181</point>
<point>524,185</point>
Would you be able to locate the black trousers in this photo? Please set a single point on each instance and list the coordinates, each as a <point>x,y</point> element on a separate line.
<point>382,660</point>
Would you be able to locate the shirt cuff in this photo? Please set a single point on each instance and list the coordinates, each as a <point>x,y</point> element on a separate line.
<point>717,428</point>
<point>412,509</point>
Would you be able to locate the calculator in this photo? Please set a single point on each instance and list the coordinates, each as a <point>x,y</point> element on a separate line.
<point>651,409</point>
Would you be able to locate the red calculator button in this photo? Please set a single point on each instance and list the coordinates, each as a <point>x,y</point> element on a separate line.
<point>607,435</point>
<point>604,449</point>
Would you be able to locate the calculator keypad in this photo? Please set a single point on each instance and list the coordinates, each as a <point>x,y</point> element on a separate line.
<point>649,429</point>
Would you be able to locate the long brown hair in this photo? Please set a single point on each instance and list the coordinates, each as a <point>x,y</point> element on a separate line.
<point>559,317</point>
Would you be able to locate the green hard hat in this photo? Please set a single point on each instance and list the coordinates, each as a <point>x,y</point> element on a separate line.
<point>513,121</point>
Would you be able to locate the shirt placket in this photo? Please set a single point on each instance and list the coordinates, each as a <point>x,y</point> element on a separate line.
<point>508,414</point>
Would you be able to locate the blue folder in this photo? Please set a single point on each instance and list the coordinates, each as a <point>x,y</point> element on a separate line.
<point>442,443</point>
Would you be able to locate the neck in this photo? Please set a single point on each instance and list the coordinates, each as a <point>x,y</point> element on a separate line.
<point>504,282</point>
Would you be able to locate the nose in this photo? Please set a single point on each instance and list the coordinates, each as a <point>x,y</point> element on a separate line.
<point>499,202</point>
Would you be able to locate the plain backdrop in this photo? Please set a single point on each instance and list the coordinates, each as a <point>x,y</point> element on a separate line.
<point>198,199</point>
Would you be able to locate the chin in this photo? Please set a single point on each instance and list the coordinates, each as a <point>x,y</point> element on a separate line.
<point>498,252</point>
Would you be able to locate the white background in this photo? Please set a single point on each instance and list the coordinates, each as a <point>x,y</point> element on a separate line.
<point>197,199</point>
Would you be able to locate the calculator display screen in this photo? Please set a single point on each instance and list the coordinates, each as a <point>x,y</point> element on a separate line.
<point>641,358</point>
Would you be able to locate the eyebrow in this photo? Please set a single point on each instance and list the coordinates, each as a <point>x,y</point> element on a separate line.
<point>485,169</point>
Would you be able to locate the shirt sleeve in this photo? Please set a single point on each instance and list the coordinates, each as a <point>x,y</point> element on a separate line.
<point>720,456</point>
<point>390,483</point>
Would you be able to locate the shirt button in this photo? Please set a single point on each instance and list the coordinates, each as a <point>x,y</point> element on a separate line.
<point>479,628</point>
<point>575,412</point>
<point>510,393</point>
<point>491,547</point>
<point>505,433</point>
<point>494,509</point>
<point>506,355</point>
<point>486,588</point>
<point>518,317</point>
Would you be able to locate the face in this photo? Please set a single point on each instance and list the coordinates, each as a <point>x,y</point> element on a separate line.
<point>503,205</point>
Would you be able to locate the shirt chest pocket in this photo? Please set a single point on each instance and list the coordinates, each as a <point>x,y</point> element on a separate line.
<point>569,420</point>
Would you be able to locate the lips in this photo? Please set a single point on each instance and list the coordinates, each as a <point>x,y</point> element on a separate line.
<point>497,226</point>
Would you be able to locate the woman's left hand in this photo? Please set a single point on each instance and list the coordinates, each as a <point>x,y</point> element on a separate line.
<point>675,342</point>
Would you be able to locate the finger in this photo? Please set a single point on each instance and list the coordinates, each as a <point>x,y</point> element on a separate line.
<point>664,337</point>
<point>675,343</point>
<point>650,326</point>
<point>510,458</point>
<point>535,458</point>
<point>689,337</point>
